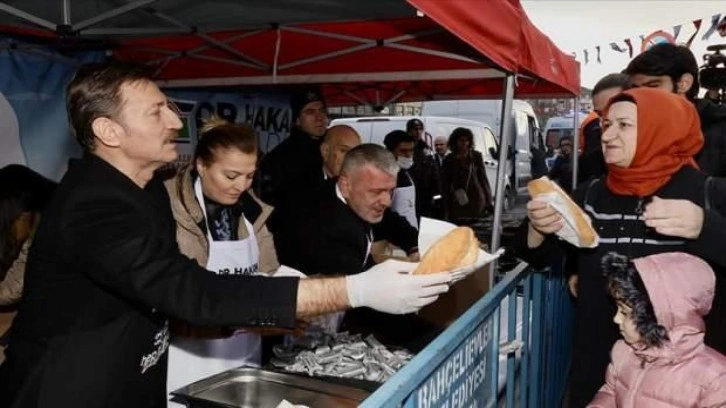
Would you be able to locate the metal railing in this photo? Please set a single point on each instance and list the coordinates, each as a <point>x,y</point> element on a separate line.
<point>471,365</point>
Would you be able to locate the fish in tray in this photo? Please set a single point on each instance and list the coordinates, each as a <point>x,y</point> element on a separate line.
<point>339,355</point>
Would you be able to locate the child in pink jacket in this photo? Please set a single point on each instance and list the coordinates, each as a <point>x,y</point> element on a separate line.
<point>662,361</point>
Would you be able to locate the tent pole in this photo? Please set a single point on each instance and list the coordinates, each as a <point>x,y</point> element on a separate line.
<point>575,143</point>
<point>67,12</point>
<point>502,174</point>
<point>27,16</point>
<point>111,14</point>
<point>253,62</point>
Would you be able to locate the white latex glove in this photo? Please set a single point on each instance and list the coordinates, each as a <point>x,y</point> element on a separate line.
<point>390,287</point>
<point>483,259</point>
<point>284,270</point>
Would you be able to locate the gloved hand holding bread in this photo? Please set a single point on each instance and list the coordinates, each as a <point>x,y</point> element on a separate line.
<point>458,252</point>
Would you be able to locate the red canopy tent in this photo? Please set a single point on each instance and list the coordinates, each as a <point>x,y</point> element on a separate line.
<point>374,52</point>
<point>457,49</point>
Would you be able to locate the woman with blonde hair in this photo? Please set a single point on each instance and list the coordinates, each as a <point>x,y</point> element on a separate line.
<point>220,224</point>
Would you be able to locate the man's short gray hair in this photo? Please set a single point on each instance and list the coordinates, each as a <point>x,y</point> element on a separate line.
<point>369,154</point>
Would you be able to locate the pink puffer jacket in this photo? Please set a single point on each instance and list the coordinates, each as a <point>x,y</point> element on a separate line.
<point>684,372</point>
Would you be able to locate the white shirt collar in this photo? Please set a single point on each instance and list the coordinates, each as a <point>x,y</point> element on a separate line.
<point>339,194</point>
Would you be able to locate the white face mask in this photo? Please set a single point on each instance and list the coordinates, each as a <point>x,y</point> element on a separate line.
<point>405,162</point>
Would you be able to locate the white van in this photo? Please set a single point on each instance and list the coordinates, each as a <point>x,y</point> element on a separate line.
<point>560,126</point>
<point>374,129</point>
<point>524,132</point>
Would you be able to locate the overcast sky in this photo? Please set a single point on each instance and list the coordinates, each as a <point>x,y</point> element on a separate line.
<point>578,24</point>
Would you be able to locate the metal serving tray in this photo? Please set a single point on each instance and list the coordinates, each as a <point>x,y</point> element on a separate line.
<point>256,388</point>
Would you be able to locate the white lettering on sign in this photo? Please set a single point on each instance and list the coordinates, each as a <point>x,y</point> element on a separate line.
<point>454,383</point>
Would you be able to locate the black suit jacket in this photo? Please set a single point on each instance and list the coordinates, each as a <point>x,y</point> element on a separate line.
<point>103,274</point>
<point>326,237</point>
<point>323,236</point>
<point>290,168</point>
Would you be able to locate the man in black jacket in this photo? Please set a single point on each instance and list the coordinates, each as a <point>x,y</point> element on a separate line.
<point>334,233</point>
<point>337,225</point>
<point>673,68</point>
<point>296,161</point>
<point>423,170</point>
<point>292,219</point>
<point>104,271</point>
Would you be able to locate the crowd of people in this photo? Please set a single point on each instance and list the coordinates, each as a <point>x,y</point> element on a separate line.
<point>114,265</point>
<point>124,265</point>
<point>651,183</point>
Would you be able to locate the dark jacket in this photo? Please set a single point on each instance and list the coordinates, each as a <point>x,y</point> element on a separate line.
<point>425,177</point>
<point>712,158</point>
<point>538,164</point>
<point>325,236</point>
<point>617,219</point>
<point>591,161</point>
<point>294,165</point>
<point>562,172</point>
<point>456,175</point>
<point>103,275</point>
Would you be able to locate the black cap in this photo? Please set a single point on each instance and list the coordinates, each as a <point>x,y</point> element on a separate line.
<point>395,138</point>
<point>302,97</point>
<point>413,123</point>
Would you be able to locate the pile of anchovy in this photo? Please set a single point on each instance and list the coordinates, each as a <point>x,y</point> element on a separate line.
<point>339,355</point>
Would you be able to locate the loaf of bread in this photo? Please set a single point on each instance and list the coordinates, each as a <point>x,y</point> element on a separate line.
<point>457,249</point>
<point>582,227</point>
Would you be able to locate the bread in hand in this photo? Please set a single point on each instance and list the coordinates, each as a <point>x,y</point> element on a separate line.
<point>457,249</point>
<point>585,232</point>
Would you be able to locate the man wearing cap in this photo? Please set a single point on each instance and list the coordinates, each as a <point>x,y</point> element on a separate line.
<point>296,162</point>
<point>422,150</point>
<point>423,171</point>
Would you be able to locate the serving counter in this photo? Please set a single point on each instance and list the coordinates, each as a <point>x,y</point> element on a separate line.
<point>463,367</point>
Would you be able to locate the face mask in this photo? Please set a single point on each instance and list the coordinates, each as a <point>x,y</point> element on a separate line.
<point>405,162</point>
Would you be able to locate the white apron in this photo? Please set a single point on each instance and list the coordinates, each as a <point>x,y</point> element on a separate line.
<point>403,202</point>
<point>191,360</point>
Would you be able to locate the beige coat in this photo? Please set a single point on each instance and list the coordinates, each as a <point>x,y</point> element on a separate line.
<point>192,239</point>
